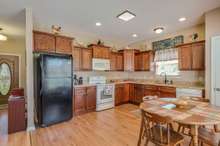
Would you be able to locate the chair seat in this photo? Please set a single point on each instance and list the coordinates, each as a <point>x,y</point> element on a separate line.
<point>175,137</point>
<point>208,136</point>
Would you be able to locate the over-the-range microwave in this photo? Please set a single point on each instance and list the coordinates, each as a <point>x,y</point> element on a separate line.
<point>100,64</point>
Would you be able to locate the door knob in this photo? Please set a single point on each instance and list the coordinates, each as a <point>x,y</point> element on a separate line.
<point>217,89</point>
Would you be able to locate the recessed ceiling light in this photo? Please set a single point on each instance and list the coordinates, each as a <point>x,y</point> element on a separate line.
<point>182,19</point>
<point>158,30</point>
<point>126,15</point>
<point>2,36</point>
<point>98,23</point>
<point>134,35</point>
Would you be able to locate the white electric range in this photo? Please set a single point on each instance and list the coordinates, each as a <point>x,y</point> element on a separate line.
<point>104,93</point>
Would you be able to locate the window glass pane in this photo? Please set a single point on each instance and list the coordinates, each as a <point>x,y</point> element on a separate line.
<point>5,79</point>
<point>169,67</point>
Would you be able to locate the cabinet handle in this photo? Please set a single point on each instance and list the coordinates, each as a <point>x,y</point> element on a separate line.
<point>217,89</point>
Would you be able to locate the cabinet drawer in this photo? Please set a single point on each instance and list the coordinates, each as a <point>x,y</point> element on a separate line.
<point>167,89</point>
<point>150,87</point>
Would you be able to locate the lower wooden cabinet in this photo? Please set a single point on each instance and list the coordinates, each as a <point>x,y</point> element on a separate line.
<point>121,93</point>
<point>84,100</point>
<point>165,91</point>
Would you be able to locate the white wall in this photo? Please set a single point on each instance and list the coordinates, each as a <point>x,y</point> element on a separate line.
<point>212,28</point>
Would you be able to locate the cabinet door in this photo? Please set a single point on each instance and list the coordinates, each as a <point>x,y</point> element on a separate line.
<point>91,98</point>
<point>76,58</point>
<point>138,62</point>
<point>113,61</point>
<point>119,93</point>
<point>128,60</point>
<point>86,59</point>
<point>44,42</point>
<point>101,52</point>
<point>63,45</point>
<point>97,52</point>
<point>198,56</point>
<point>105,53</point>
<point>131,93</point>
<point>185,57</point>
<point>125,97</point>
<point>167,92</point>
<point>146,61</point>
<point>138,93</point>
<point>150,90</point>
<point>119,62</point>
<point>80,101</point>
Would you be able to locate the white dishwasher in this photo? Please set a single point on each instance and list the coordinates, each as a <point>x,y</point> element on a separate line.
<point>188,92</point>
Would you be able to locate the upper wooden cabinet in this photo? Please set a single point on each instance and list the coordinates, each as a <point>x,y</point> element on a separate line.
<point>120,62</point>
<point>143,60</point>
<point>192,56</point>
<point>129,59</point>
<point>63,45</point>
<point>76,58</point>
<point>46,42</point>
<point>100,51</point>
<point>86,59</point>
<point>198,56</point>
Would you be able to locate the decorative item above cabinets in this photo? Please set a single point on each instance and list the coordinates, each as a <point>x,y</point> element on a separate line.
<point>51,43</point>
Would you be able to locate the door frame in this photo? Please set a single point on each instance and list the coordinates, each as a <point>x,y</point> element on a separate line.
<point>19,64</point>
<point>213,70</point>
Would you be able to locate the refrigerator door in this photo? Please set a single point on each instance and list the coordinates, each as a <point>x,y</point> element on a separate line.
<point>56,89</point>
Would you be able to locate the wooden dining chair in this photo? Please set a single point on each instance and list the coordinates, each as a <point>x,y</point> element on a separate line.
<point>209,136</point>
<point>158,130</point>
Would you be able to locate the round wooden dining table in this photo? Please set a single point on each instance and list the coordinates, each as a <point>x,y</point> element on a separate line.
<point>195,115</point>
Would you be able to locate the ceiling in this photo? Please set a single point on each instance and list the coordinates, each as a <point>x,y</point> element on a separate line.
<point>78,17</point>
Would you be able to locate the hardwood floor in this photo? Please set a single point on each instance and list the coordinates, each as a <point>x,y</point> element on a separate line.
<point>114,127</point>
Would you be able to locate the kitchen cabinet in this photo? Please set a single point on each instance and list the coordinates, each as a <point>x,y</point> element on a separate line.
<point>143,60</point>
<point>44,42</point>
<point>113,61</point>
<point>198,56</point>
<point>91,98</point>
<point>86,59</point>
<point>165,91</point>
<point>120,62</point>
<point>76,58</point>
<point>121,93</point>
<point>138,93</point>
<point>84,99</point>
<point>63,45</point>
<point>192,56</point>
<point>129,60</point>
<point>51,43</point>
<point>100,51</point>
<point>150,90</point>
<point>131,93</point>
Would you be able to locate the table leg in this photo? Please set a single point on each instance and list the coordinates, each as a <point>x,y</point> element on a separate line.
<point>141,131</point>
<point>194,132</point>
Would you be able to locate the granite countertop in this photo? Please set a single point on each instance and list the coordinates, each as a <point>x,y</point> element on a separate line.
<point>145,82</point>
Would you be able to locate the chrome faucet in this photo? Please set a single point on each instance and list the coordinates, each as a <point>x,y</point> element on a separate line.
<point>166,81</point>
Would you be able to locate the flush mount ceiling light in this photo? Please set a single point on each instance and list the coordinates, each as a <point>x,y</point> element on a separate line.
<point>98,23</point>
<point>159,30</point>
<point>2,36</point>
<point>182,19</point>
<point>134,35</point>
<point>126,16</point>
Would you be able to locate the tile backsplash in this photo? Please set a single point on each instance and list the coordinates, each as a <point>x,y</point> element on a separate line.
<point>185,76</point>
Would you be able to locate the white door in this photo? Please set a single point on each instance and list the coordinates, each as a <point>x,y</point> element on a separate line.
<point>215,57</point>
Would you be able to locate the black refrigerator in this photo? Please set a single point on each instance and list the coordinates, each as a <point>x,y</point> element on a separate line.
<point>53,88</point>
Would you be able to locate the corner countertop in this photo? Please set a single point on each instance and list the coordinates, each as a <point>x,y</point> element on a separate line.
<point>143,82</point>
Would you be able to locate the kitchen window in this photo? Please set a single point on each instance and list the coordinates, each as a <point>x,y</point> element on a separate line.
<point>166,61</point>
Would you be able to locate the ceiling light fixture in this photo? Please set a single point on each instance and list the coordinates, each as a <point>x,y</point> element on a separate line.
<point>126,15</point>
<point>98,23</point>
<point>159,30</point>
<point>2,36</point>
<point>182,19</point>
<point>134,35</point>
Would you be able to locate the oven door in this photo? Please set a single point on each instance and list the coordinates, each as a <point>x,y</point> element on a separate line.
<point>101,97</point>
